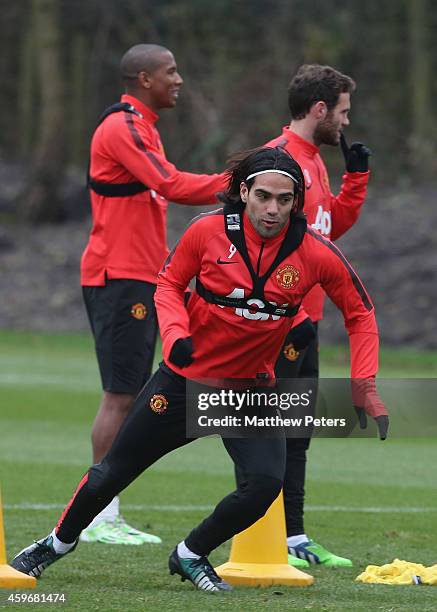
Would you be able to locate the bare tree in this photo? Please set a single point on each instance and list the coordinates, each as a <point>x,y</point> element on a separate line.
<point>39,201</point>
<point>421,141</point>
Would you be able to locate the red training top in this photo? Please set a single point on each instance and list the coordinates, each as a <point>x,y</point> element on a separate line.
<point>128,237</point>
<point>239,343</point>
<point>331,215</point>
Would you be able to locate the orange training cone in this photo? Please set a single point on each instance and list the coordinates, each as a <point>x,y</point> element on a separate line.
<point>259,554</point>
<point>9,577</point>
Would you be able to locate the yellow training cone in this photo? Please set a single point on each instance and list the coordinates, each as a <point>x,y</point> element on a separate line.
<point>259,554</point>
<point>9,577</point>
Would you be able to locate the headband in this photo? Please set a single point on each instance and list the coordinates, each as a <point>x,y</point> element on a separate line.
<point>277,172</point>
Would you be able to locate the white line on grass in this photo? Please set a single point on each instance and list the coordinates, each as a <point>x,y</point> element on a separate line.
<point>200,508</point>
<point>35,380</point>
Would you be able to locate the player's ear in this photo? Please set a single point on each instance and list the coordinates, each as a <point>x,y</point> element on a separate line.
<point>145,79</point>
<point>243,191</point>
<point>319,110</point>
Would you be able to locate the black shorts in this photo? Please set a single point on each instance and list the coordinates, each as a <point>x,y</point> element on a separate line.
<point>123,320</point>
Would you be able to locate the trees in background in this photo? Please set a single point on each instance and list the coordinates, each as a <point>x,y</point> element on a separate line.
<point>39,200</point>
<point>59,70</point>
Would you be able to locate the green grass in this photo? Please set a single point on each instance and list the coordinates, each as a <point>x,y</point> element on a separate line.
<point>393,362</point>
<point>366,499</point>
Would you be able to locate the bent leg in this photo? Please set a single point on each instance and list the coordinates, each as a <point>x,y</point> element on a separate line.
<point>261,463</point>
<point>152,429</point>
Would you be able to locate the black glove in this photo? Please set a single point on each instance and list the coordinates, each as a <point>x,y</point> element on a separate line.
<point>181,353</point>
<point>381,421</point>
<point>367,402</point>
<point>301,335</point>
<point>356,156</point>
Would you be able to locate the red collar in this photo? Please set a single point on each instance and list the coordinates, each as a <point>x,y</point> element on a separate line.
<point>140,107</point>
<point>304,145</point>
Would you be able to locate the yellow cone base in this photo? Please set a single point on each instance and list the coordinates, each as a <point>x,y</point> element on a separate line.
<point>10,578</point>
<point>262,574</point>
<point>259,554</point>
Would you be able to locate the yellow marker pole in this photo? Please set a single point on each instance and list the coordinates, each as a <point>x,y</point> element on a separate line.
<point>9,577</point>
<point>259,554</point>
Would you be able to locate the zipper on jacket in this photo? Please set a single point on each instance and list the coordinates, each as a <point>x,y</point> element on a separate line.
<point>259,258</point>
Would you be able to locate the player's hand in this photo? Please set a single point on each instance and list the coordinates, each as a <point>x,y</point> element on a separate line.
<point>367,402</point>
<point>356,156</point>
<point>181,353</point>
<point>301,335</point>
<point>382,422</point>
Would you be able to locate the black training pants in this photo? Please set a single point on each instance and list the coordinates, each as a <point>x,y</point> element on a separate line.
<point>305,366</point>
<point>156,426</point>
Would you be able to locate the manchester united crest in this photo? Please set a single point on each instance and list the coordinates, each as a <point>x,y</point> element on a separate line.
<point>290,352</point>
<point>158,403</point>
<point>138,311</point>
<point>287,276</point>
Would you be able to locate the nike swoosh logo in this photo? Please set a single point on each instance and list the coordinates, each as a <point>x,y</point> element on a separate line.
<point>219,261</point>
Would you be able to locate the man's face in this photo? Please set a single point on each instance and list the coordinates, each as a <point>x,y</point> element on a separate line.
<point>269,202</point>
<point>165,82</point>
<point>329,129</point>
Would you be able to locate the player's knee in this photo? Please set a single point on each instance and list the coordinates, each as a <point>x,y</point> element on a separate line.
<point>259,492</point>
<point>117,403</point>
<point>297,446</point>
<point>101,479</point>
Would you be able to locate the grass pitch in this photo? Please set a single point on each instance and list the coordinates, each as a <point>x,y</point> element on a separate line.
<point>368,500</point>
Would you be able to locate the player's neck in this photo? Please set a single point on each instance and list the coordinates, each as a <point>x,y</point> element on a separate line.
<point>304,129</point>
<point>144,98</point>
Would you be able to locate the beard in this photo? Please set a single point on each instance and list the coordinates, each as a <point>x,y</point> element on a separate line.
<point>327,132</point>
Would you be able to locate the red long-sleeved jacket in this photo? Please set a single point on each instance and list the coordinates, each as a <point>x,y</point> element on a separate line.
<point>237,343</point>
<point>331,215</point>
<point>128,238</point>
